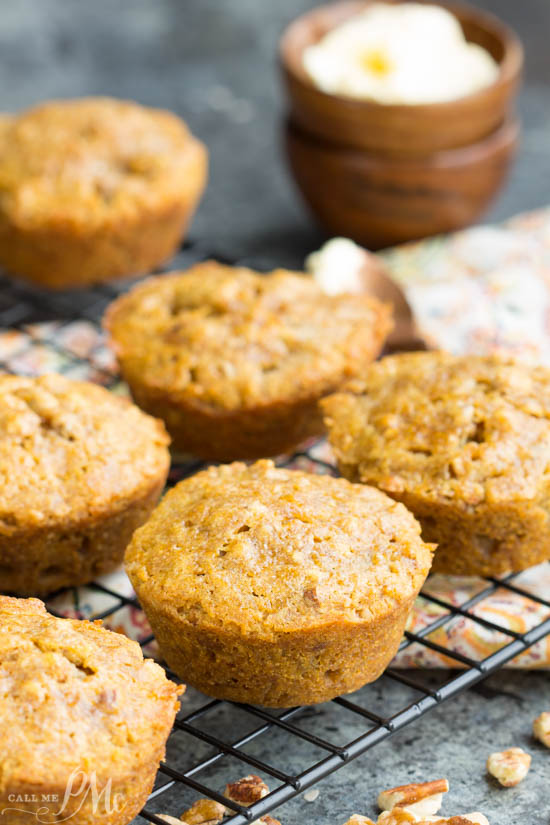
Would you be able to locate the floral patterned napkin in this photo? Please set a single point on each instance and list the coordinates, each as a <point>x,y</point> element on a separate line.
<point>485,289</point>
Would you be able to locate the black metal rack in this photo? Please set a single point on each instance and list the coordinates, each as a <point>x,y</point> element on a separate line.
<point>21,306</point>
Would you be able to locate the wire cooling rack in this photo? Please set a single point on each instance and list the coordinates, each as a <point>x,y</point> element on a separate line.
<point>238,739</point>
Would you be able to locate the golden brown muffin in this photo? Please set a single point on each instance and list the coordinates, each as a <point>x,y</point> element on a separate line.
<point>276,586</point>
<point>84,719</point>
<point>94,189</point>
<point>80,469</point>
<point>464,443</point>
<point>235,362</point>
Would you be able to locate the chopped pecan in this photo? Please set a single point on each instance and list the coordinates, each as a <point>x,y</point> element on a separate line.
<point>204,812</point>
<point>247,790</point>
<point>541,728</point>
<point>397,816</point>
<point>310,595</point>
<point>401,816</point>
<point>509,767</point>
<point>420,798</point>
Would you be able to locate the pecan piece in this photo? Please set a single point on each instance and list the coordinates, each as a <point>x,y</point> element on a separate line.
<point>541,728</point>
<point>509,767</point>
<point>204,812</point>
<point>247,790</point>
<point>419,798</point>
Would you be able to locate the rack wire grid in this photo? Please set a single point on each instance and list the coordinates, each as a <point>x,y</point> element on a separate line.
<point>360,723</point>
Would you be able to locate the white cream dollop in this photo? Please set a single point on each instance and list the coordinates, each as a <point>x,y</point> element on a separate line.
<point>404,53</point>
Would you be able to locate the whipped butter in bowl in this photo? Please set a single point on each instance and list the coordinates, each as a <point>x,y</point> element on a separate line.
<point>405,53</point>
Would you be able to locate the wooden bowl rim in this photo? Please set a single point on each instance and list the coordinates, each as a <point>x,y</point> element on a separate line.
<point>510,66</point>
<point>507,133</point>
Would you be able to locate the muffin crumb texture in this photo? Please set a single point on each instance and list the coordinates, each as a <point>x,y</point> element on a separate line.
<point>94,189</point>
<point>78,701</point>
<point>80,469</point>
<point>464,443</point>
<point>276,586</point>
<point>235,361</point>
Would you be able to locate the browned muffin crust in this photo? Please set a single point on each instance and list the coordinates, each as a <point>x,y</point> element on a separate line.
<point>234,361</point>
<point>94,189</point>
<point>80,707</point>
<point>80,469</point>
<point>464,443</point>
<point>276,586</point>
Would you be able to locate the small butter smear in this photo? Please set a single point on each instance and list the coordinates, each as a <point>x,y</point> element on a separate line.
<point>407,53</point>
<point>336,267</point>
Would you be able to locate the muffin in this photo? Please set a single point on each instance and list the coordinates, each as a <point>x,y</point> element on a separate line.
<point>80,469</point>
<point>84,719</point>
<point>235,362</point>
<point>94,189</point>
<point>275,586</point>
<point>464,443</point>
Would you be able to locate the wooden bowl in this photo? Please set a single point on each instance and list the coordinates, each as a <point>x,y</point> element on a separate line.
<point>381,200</point>
<point>399,129</point>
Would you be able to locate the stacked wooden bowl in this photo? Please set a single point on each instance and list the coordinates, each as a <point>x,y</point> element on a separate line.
<point>383,174</point>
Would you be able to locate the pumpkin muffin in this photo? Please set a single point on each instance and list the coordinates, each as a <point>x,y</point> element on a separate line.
<point>235,362</point>
<point>84,719</point>
<point>80,469</point>
<point>464,443</point>
<point>94,189</point>
<point>276,586</point>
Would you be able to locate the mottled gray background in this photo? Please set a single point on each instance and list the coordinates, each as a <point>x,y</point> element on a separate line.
<point>213,61</point>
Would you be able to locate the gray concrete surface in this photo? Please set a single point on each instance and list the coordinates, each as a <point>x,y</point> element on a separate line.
<point>213,61</point>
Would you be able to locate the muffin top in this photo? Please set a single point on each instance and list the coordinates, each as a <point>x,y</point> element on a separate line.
<point>75,695</point>
<point>263,550</point>
<point>83,162</point>
<point>71,450</point>
<point>226,338</point>
<point>455,429</point>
